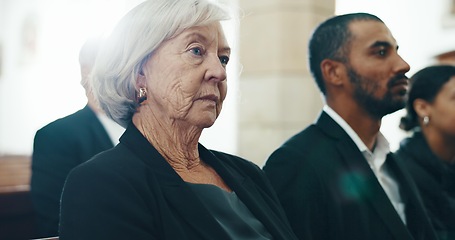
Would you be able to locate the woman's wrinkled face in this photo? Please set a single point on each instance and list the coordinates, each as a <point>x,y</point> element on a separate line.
<point>186,76</point>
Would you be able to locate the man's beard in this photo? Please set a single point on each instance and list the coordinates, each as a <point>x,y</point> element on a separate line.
<point>364,90</point>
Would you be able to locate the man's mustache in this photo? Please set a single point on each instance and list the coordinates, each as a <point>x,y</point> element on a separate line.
<point>398,79</point>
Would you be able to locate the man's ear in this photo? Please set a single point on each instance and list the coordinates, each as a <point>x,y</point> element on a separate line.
<point>333,72</point>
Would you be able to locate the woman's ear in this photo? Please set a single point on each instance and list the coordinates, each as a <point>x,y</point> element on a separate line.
<point>141,80</point>
<point>141,89</point>
<point>333,72</point>
<point>422,108</point>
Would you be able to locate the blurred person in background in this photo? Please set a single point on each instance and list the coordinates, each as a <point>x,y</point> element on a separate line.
<point>65,143</point>
<point>429,153</point>
<point>162,75</point>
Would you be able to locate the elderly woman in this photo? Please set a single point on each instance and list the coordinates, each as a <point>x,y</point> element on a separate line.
<point>162,75</point>
<point>430,152</point>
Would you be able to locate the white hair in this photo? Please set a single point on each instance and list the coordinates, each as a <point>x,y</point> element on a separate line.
<point>87,57</point>
<point>133,41</point>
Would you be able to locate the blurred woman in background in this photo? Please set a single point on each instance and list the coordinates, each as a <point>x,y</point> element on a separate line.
<point>430,152</point>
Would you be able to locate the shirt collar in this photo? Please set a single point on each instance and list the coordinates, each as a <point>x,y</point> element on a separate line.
<point>343,124</point>
<point>381,149</point>
<point>113,129</point>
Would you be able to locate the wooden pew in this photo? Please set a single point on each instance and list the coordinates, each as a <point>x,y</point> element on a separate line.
<point>17,219</point>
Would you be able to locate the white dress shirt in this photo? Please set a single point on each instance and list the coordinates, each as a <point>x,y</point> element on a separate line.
<point>376,160</point>
<point>113,129</point>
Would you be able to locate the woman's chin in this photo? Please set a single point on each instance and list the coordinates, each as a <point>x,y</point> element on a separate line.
<point>205,121</point>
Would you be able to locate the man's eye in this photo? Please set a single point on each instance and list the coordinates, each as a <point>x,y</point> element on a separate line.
<point>382,52</point>
<point>224,60</point>
<point>196,51</point>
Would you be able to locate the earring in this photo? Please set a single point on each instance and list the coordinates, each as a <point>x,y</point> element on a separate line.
<point>142,95</point>
<point>426,120</point>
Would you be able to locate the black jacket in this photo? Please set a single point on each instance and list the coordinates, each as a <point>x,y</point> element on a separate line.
<point>58,148</point>
<point>435,180</point>
<point>131,192</point>
<point>329,191</point>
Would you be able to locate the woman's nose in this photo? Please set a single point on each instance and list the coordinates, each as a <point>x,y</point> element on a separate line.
<point>216,70</point>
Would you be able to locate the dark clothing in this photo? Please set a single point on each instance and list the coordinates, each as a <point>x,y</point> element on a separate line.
<point>435,180</point>
<point>231,213</point>
<point>131,192</point>
<point>59,147</point>
<point>329,191</point>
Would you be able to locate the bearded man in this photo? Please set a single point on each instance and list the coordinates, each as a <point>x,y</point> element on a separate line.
<point>337,178</point>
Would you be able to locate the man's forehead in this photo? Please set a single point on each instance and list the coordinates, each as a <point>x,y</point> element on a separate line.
<point>362,26</point>
<point>370,32</point>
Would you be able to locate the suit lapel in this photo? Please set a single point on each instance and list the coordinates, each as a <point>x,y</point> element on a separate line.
<point>362,179</point>
<point>177,193</point>
<point>366,183</point>
<point>100,133</point>
<point>255,200</point>
<point>188,205</point>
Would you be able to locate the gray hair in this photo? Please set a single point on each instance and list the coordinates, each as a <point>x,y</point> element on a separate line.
<point>134,40</point>
<point>87,57</point>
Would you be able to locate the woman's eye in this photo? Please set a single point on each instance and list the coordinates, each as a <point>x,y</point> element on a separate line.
<point>196,51</point>
<point>382,52</point>
<point>224,60</point>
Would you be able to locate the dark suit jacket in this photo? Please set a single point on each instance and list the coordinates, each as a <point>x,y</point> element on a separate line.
<point>59,147</point>
<point>329,191</point>
<point>435,180</point>
<point>131,192</point>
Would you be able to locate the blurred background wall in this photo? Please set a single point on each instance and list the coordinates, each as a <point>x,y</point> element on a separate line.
<point>271,93</point>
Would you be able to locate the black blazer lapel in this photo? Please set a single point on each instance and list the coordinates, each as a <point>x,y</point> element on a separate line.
<point>187,204</point>
<point>258,204</point>
<point>176,192</point>
<point>101,137</point>
<point>368,187</point>
<point>252,196</point>
<point>362,179</point>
